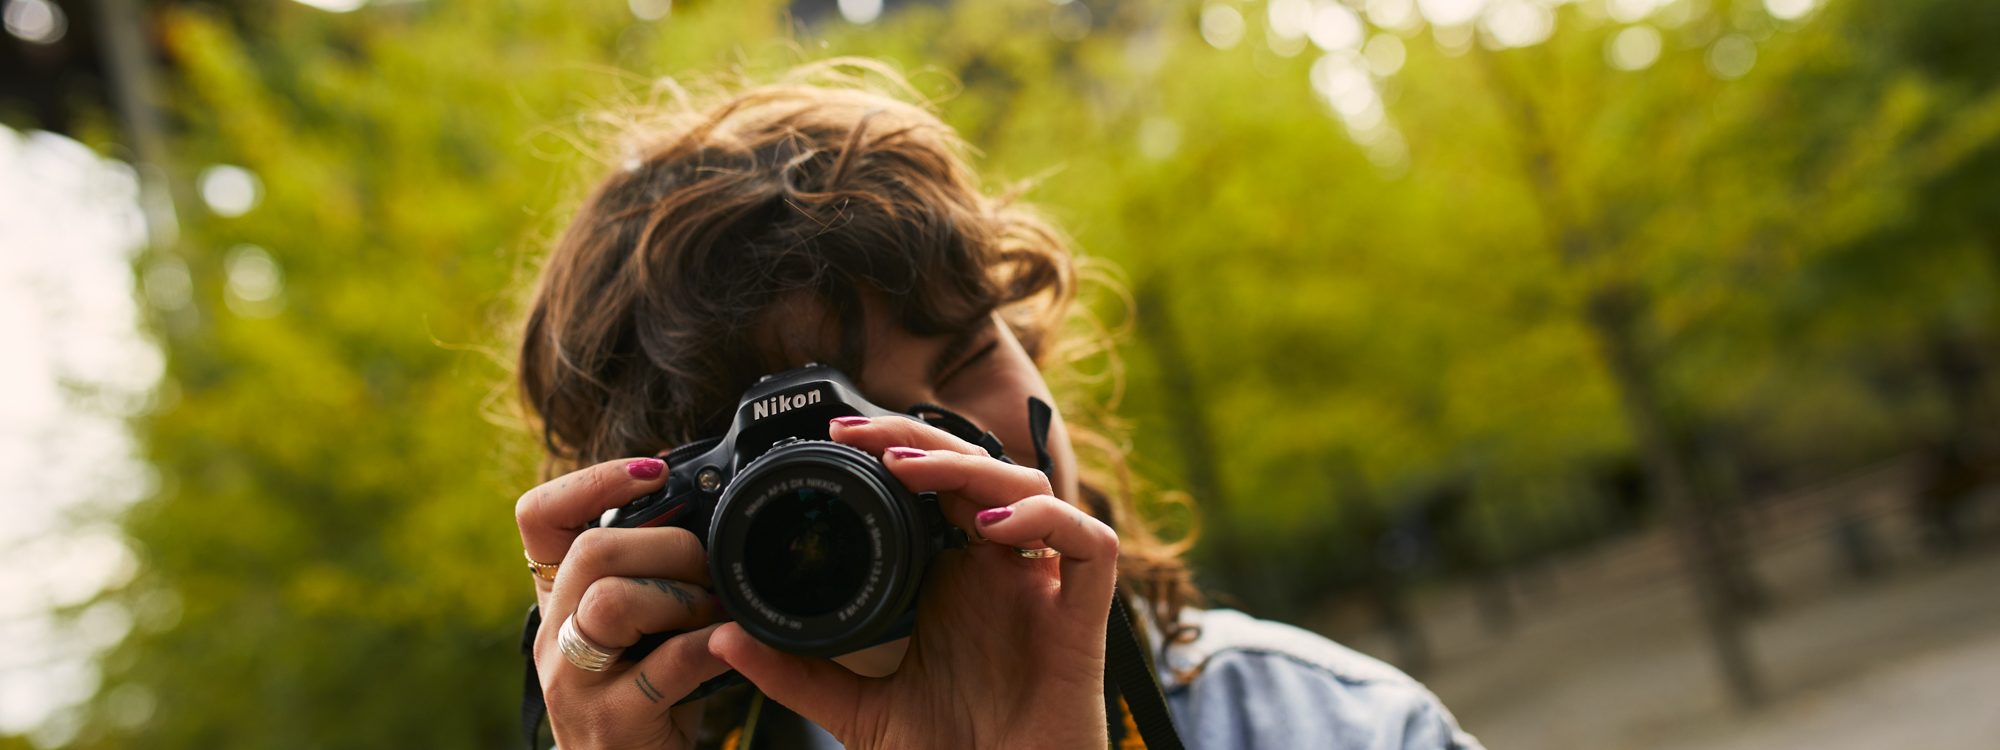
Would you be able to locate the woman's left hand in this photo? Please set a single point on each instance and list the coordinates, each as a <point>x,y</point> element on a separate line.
<point>1008,651</point>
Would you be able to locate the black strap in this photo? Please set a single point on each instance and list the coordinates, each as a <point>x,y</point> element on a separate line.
<point>1130,673</point>
<point>1041,417</point>
<point>961,428</point>
<point>532,707</point>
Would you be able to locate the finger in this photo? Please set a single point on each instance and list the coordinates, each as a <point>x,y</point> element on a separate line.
<point>676,668</point>
<point>967,484</point>
<point>823,692</point>
<point>551,516</point>
<point>1089,548</point>
<point>878,434</point>
<point>664,552</point>
<point>617,612</point>
<point>662,679</point>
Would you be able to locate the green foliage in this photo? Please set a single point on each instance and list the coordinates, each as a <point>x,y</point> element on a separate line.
<point>329,560</point>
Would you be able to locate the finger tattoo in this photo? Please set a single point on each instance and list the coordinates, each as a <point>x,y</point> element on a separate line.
<point>646,687</point>
<point>686,599</point>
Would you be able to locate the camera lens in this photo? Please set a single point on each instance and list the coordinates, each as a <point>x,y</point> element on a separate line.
<point>807,552</point>
<point>816,549</point>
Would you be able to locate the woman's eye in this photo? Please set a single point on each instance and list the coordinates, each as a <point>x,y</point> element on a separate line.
<point>968,364</point>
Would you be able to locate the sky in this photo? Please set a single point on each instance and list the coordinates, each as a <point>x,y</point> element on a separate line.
<point>74,365</point>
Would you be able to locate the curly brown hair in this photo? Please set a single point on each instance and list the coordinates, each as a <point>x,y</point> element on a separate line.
<point>653,312</point>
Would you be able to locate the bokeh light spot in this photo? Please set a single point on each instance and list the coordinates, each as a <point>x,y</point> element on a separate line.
<point>1451,12</point>
<point>654,10</point>
<point>130,705</point>
<point>1070,22</point>
<point>1455,39</point>
<point>1394,15</point>
<point>1289,18</point>
<point>1518,23</point>
<point>1221,26</point>
<point>1789,10</point>
<point>334,6</point>
<point>1631,11</point>
<point>1635,48</point>
<point>1334,27</point>
<point>168,285</point>
<point>860,11</point>
<point>1732,56</point>
<point>230,190</point>
<point>1385,54</point>
<point>255,282</point>
<point>1347,89</point>
<point>37,21</point>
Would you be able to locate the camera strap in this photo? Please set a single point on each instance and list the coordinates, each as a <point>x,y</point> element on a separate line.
<point>532,702</point>
<point>1129,675</point>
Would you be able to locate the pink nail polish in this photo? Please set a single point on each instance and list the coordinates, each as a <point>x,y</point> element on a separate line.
<point>907,453</point>
<point>850,421</point>
<point>646,468</point>
<point>992,516</point>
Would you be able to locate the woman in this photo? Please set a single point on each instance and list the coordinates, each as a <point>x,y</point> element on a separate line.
<point>822,220</point>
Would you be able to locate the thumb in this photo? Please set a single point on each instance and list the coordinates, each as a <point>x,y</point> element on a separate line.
<point>823,692</point>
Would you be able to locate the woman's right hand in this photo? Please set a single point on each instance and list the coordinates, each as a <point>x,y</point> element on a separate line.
<point>619,584</point>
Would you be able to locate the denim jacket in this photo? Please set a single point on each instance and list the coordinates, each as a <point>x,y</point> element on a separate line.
<point>1245,683</point>
<point>1250,683</point>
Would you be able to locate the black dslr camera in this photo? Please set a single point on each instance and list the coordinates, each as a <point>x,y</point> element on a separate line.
<point>813,546</point>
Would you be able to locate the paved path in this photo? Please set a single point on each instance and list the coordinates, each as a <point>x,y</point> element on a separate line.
<point>1948,698</point>
<point>1909,659</point>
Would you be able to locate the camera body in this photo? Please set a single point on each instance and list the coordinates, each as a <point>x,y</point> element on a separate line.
<point>813,547</point>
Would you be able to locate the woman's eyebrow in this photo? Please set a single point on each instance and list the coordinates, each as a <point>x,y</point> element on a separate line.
<point>953,350</point>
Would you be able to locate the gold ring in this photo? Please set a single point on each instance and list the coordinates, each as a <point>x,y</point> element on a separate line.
<point>1037,553</point>
<point>587,656</point>
<point>542,570</point>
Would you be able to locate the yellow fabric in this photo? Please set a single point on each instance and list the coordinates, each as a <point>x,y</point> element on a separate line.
<point>1132,740</point>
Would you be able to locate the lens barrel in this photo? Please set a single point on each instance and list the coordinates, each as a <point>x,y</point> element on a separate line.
<point>816,549</point>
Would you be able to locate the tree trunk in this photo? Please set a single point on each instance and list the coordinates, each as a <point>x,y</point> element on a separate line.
<point>128,59</point>
<point>1191,430</point>
<point>1611,316</point>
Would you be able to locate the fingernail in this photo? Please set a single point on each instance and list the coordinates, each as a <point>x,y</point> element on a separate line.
<point>907,453</point>
<point>850,421</point>
<point>992,516</point>
<point>646,468</point>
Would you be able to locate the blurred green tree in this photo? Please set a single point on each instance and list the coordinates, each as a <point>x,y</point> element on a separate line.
<point>1419,265</point>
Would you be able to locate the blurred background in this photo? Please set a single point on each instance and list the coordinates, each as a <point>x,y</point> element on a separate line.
<point>1625,369</point>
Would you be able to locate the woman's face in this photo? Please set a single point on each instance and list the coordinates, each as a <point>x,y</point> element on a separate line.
<point>983,374</point>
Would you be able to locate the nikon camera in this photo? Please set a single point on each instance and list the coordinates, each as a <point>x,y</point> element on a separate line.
<point>812,545</point>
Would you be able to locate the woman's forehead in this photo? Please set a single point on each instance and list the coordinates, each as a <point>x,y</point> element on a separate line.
<point>797,329</point>
<point>804,328</point>
<point>869,343</point>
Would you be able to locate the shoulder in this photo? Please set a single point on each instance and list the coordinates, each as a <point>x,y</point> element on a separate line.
<point>1250,683</point>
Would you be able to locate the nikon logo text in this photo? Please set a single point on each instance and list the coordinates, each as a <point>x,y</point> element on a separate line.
<point>782,403</point>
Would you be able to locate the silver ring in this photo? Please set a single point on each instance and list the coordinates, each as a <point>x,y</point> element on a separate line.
<point>587,656</point>
<point>1037,553</point>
